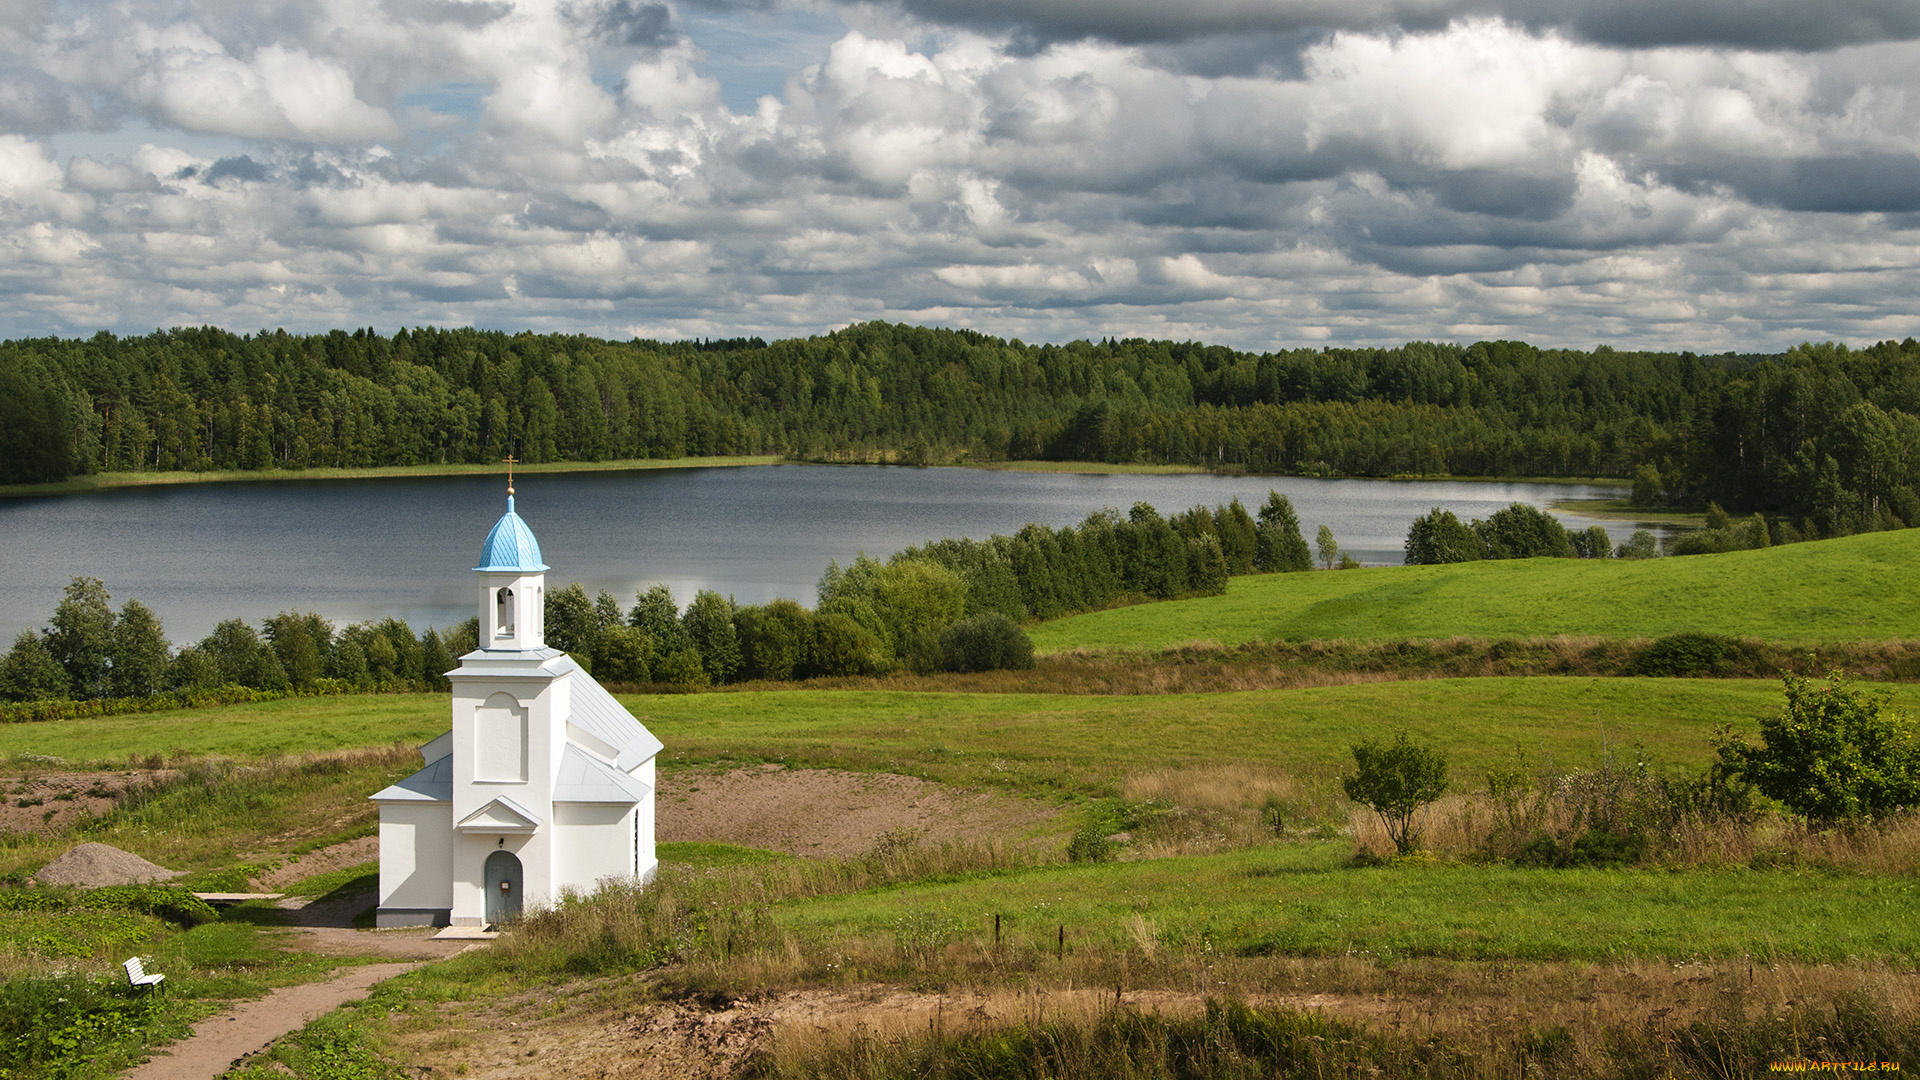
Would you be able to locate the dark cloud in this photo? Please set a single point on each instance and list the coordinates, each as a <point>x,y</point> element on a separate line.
<point>1851,184</point>
<point>1793,25</point>
<point>636,23</point>
<point>236,168</point>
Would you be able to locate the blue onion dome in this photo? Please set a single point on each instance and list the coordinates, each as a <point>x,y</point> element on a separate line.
<point>511,546</point>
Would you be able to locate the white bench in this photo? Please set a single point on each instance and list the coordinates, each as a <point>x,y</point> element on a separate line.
<point>137,976</point>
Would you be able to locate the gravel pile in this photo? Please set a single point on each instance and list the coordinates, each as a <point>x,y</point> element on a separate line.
<point>92,866</point>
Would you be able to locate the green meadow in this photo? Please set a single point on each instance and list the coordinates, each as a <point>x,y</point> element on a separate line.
<point>1031,742</point>
<point>1858,588</point>
<point>1311,900</point>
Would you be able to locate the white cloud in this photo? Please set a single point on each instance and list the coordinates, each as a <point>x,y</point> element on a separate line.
<point>533,164</point>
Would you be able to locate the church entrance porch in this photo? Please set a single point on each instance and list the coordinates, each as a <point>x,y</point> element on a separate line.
<point>503,887</point>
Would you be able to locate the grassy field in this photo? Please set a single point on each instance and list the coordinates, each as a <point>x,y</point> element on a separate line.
<point>103,481</point>
<point>1858,588</point>
<point>1310,900</point>
<point>1039,742</point>
<point>289,726</point>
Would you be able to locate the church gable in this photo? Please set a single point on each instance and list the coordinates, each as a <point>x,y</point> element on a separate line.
<point>501,815</point>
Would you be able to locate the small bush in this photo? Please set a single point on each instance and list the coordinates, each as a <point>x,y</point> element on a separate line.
<point>54,1025</point>
<point>173,904</point>
<point>1832,753</point>
<point>1688,656</point>
<point>1397,781</point>
<point>989,642</point>
<point>1090,844</point>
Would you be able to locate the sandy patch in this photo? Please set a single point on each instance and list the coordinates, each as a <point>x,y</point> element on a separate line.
<point>50,802</point>
<point>829,812</point>
<point>93,865</point>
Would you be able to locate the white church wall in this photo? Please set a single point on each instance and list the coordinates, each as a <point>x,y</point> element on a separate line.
<point>416,857</point>
<point>592,841</point>
<point>500,741</point>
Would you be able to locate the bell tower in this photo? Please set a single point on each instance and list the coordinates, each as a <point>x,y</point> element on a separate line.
<point>513,585</point>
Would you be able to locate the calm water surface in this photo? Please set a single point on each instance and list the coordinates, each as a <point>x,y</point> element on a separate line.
<point>360,549</point>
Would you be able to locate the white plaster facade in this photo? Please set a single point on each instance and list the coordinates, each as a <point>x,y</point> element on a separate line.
<point>543,784</point>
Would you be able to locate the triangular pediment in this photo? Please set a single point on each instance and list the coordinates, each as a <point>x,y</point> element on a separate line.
<point>502,815</point>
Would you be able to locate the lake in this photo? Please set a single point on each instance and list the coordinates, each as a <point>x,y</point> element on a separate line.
<point>359,549</point>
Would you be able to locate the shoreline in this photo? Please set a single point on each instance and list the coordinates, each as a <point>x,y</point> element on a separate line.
<point>99,482</point>
<point>1618,510</point>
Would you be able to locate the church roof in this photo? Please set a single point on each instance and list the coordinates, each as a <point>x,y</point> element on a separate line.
<point>511,546</point>
<point>597,713</point>
<point>431,784</point>
<point>584,778</point>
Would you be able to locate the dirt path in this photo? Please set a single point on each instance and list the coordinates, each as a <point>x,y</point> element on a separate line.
<point>253,1026</point>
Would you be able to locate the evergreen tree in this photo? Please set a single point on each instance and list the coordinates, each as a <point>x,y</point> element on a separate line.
<point>30,673</point>
<point>1239,538</point>
<point>139,658</point>
<point>1206,567</point>
<point>1282,548</point>
<point>435,661</point>
<point>709,624</point>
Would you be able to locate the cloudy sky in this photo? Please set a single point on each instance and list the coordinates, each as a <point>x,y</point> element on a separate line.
<point>1706,174</point>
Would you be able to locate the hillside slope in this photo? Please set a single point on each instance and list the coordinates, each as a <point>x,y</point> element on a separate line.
<point>1858,588</point>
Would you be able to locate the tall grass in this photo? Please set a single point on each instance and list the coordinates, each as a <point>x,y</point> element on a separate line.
<point>1624,813</point>
<point>1231,1040</point>
<point>719,921</point>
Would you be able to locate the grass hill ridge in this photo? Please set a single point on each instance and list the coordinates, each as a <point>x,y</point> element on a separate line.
<point>1857,588</point>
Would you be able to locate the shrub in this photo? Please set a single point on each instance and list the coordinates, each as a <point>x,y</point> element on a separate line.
<point>1397,781</point>
<point>1090,844</point>
<point>55,1025</point>
<point>1441,537</point>
<point>990,642</point>
<point>681,667</point>
<point>1523,532</point>
<point>1832,753</point>
<point>176,905</point>
<point>1688,656</point>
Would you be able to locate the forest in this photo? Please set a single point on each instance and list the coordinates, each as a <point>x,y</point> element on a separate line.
<point>1822,435</point>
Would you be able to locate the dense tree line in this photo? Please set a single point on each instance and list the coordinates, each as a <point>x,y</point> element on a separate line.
<point>1517,532</point>
<point>90,651</point>
<point>1826,436</point>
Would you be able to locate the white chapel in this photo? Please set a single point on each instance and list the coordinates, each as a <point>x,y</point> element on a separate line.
<point>543,785</point>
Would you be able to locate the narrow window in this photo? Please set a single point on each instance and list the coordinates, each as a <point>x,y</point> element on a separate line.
<point>503,613</point>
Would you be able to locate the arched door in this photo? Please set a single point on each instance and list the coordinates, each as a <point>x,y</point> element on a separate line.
<point>503,887</point>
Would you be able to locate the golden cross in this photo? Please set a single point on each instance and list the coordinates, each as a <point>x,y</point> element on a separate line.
<point>509,459</point>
